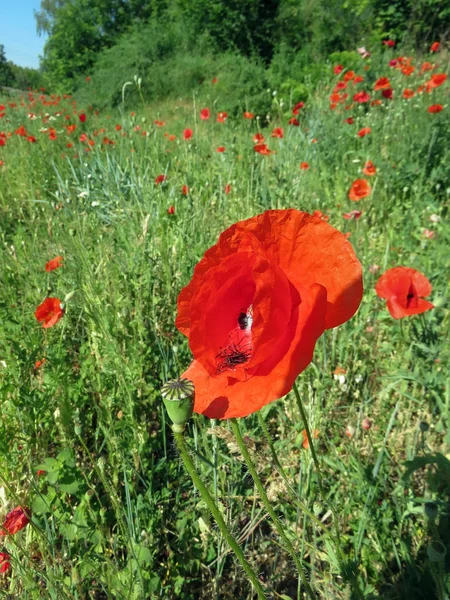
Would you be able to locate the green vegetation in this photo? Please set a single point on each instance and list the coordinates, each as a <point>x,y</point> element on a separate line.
<point>84,439</point>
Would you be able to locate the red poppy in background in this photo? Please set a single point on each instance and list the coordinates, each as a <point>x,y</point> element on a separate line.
<point>358,79</point>
<point>363,132</point>
<point>5,565</point>
<point>408,93</point>
<point>349,75</point>
<point>248,115</point>
<point>338,69</point>
<point>38,364</point>
<point>222,117</point>
<point>369,168</point>
<point>304,166</point>
<point>435,108</point>
<point>349,121</point>
<point>205,113</point>
<point>82,117</point>
<point>227,189</point>
<point>15,520</point>
<point>171,210</point>
<point>256,305</point>
<point>297,108</point>
<point>404,289</point>
<point>185,190</point>
<point>387,93</point>
<point>382,83</point>
<point>160,179</point>
<point>435,47</point>
<point>49,312</point>
<point>360,189</point>
<point>278,133</point>
<point>436,81</point>
<point>187,134</point>
<point>263,149</point>
<point>352,215</point>
<point>53,264</point>
<point>389,43</point>
<point>361,97</point>
<point>258,138</point>
<point>220,149</point>
<point>293,121</point>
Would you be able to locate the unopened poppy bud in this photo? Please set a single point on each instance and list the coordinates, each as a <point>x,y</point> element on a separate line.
<point>366,424</point>
<point>431,510</point>
<point>436,551</point>
<point>178,396</point>
<point>424,427</point>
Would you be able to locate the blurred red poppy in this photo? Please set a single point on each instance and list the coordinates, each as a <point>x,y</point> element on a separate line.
<point>15,520</point>
<point>171,210</point>
<point>354,214</point>
<point>220,149</point>
<point>227,189</point>
<point>360,189</point>
<point>435,47</point>
<point>304,166</point>
<point>349,121</point>
<point>263,149</point>
<point>408,93</point>
<point>187,134</point>
<point>256,305</point>
<point>5,565</point>
<point>160,179</point>
<point>222,117</point>
<point>258,138</point>
<point>369,168</point>
<point>185,190</point>
<point>205,113</point>
<point>436,81</point>
<point>293,121</point>
<point>387,93</point>
<point>278,132</point>
<point>435,108</point>
<point>364,131</point>
<point>349,75</point>
<point>382,83</point>
<point>38,364</point>
<point>82,117</point>
<point>297,108</point>
<point>338,69</point>
<point>389,43</point>
<point>49,312</point>
<point>248,115</point>
<point>404,289</point>
<point>53,264</point>
<point>361,97</point>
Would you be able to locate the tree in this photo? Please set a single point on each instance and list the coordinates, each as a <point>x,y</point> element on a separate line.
<point>6,75</point>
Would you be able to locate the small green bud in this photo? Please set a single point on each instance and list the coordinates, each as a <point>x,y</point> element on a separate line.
<point>436,551</point>
<point>431,510</point>
<point>178,397</point>
<point>424,427</point>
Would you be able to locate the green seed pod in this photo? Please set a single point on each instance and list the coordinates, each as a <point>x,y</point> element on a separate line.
<point>436,551</point>
<point>178,396</point>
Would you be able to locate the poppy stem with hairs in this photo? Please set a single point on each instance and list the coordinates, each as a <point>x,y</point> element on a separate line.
<point>325,500</point>
<point>208,499</point>
<point>269,507</point>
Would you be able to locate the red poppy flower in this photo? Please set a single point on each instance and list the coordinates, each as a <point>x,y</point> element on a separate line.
<point>214,80</point>
<point>349,75</point>
<point>5,565</point>
<point>248,115</point>
<point>408,93</point>
<point>49,312</point>
<point>338,69</point>
<point>435,47</point>
<point>404,289</point>
<point>304,166</point>
<point>53,264</point>
<point>369,168</point>
<point>263,149</point>
<point>159,123</point>
<point>360,189</point>
<point>321,215</point>
<point>354,214</point>
<point>222,117</point>
<point>435,108</point>
<point>361,97</point>
<point>227,188</point>
<point>160,179</point>
<point>363,132</point>
<point>205,113</point>
<point>82,117</point>
<point>185,190</point>
<point>220,149</point>
<point>38,364</point>
<point>426,66</point>
<point>436,81</point>
<point>389,43</point>
<point>293,121</point>
<point>256,305</point>
<point>278,133</point>
<point>387,94</point>
<point>15,520</point>
<point>258,138</point>
<point>358,79</point>
<point>382,83</point>
<point>187,134</point>
<point>171,210</point>
<point>349,121</point>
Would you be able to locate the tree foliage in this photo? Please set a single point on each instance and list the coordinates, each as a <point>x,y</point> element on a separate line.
<point>6,76</point>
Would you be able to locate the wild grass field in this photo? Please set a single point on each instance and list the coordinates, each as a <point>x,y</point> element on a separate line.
<point>130,200</point>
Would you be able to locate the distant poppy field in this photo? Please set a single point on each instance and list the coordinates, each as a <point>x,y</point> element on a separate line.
<point>224,358</point>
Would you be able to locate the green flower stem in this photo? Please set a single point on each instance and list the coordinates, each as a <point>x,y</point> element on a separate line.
<point>326,500</point>
<point>292,494</point>
<point>269,507</point>
<point>190,468</point>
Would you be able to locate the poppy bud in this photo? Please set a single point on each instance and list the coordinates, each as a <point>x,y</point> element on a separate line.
<point>423,426</point>
<point>431,510</point>
<point>366,424</point>
<point>178,397</point>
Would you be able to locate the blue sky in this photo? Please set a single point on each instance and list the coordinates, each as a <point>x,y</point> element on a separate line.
<point>18,32</point>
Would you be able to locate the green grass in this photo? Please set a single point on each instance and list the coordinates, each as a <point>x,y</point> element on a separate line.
<point>115,515</point>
